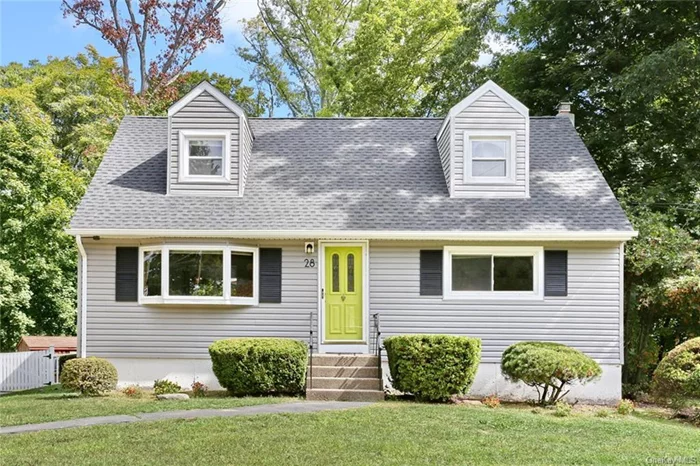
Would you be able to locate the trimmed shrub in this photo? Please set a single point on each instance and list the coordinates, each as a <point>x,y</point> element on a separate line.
<point>89,376</point>
<point>678,373</point>
<point>165,386</point>
<point>547,366</point>
<point>260,366</point>
<point>433,367</point>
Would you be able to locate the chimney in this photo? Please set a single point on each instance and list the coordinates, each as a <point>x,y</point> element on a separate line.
<point>565,111</point>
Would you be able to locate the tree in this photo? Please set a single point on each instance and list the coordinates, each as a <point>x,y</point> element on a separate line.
<point>253,102</point>
<point>185,27</point>
<point>38,192</point>
<point>357,57</point>
<point>632,71</point>
<point>15,299</point>
<point>85,99</point>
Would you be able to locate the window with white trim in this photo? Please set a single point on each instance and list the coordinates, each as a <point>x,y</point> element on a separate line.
<point>493,272</point>
<point>198,274</point>
<point>204,155</point>
<point>489,156</point>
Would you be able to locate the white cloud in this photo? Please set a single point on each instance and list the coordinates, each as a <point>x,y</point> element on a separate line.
<point>235,11</point>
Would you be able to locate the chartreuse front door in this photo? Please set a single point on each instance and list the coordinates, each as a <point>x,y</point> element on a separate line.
<point>343,294</point>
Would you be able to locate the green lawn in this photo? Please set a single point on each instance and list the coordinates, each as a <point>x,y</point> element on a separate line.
<point>56,404</point>
<point>385,433</point>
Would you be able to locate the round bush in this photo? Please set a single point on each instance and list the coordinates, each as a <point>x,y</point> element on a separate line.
<point>433,367</point>
<point>548,367</point>
<point>260,366</point>
<point>678,374</point>
<point>89,376</point>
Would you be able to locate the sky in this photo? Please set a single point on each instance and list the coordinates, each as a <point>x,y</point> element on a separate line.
<point>36,29</point>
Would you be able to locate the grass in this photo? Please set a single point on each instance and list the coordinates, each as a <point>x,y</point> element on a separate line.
<point>385,433</point>
<point>56,404</point>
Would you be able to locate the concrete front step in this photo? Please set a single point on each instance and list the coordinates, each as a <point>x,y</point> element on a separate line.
<point>347,360</point>
<point>345,383</point>
<point>344,371</point>
<point>326,394</point>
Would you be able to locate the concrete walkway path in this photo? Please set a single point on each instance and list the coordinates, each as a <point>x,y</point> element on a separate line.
<point>294,407</point>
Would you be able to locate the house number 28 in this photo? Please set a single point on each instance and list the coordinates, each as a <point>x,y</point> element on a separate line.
<point>309,263</point>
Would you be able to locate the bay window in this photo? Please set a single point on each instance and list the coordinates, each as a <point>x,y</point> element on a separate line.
<point>196,274</point>
<point>493,272</point>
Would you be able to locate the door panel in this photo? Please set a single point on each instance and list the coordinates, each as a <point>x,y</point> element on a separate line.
<point>343,294</point>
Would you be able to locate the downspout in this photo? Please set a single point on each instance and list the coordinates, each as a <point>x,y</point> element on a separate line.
<point>82,298</point>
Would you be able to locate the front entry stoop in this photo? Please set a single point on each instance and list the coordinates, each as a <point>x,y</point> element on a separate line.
<point>344,377</point>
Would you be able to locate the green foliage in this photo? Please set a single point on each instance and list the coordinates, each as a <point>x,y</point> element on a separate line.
<point>165,386</point>
<point>89,376</point>
<point>359,57</point>
<point>84,99</point>
<point>549,367</point>
<point>632,71</point>
<point>602,412</point>
<point>562,409</point>
<point>259,366</point>
<point>37,195</point>
<point>15,299</point>
<point>679,372</point>
<point>625,407</point>
<point>433,367</point>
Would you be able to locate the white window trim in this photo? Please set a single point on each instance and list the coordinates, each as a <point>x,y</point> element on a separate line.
<point>184,155</point>
<point>537,253</point>
<point>511,136</point>
<point>226,299</point>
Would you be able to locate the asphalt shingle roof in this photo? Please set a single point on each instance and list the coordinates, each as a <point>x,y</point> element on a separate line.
<point>348,174</point>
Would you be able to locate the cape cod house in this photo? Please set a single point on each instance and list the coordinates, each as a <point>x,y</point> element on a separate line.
<point>207,224</point>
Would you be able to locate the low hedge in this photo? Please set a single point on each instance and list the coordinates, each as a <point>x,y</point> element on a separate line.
<point>89,376</point>
<point>260,366</point>
<point>549,367</point>
<point>433,367</point>
<point>678,373</point>
<point>63,359</point>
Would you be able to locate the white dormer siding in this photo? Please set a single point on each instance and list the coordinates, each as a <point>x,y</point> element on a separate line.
<point>205,114</point>
<point>489,115</point>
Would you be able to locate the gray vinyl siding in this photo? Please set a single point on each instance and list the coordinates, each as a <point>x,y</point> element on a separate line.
<point>587,319</point>
<point>246,150</point>
<point>204,112</point>
<point>489,112</point>
<point>443,144</point>
<point>126,329</point>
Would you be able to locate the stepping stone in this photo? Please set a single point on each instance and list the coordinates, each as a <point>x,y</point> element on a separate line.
<point>174,396</point>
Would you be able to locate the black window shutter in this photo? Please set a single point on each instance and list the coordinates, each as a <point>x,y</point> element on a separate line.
<point>431,273</point>
<point>127,270</point>
<point>556,273</point>
<point>270,275</point>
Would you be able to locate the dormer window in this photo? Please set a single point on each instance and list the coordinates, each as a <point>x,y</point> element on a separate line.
<point>489,156</point>
<point>205,155</point>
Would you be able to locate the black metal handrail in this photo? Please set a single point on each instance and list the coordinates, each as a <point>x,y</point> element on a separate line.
<point>376,344</point>
<point>309,382</point>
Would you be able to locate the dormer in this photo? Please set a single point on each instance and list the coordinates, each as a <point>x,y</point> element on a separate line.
<point>210,144</point>
<point>484,145</point>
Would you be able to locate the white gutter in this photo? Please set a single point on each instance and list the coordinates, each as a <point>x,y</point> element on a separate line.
<point>456,235</point>
<point>82,299</point>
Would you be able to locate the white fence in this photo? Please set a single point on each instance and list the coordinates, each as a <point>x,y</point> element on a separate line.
<point>28,369</point>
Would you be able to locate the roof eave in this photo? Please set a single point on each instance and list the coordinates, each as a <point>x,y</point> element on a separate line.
<point>602,235</point>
